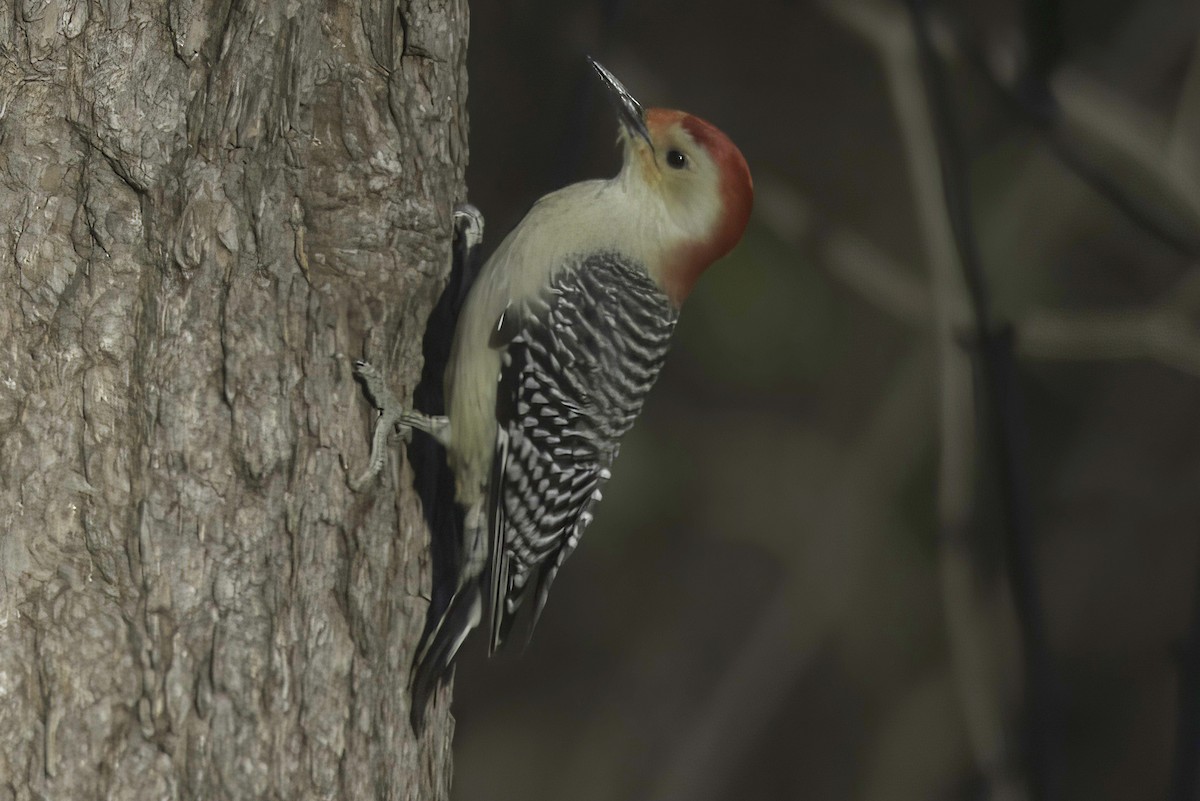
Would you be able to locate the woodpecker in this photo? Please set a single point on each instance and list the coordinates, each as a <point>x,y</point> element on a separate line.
<point>558,343</point>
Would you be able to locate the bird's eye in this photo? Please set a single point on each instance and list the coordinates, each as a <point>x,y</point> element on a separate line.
<point>676,160</point>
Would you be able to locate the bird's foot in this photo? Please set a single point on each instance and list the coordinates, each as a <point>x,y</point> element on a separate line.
<point>392,417</point>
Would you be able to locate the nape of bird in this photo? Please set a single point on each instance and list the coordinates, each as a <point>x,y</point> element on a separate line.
<point>560,339</point>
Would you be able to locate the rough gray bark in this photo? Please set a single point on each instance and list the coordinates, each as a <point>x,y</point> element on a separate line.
<point>208,209</point>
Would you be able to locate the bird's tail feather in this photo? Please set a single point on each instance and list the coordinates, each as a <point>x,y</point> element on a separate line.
<point>433,662</point>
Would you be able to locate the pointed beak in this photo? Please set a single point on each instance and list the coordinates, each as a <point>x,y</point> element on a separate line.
<point>630,112</point>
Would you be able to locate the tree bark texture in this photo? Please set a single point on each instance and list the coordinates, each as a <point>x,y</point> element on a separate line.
<point>208,209</point>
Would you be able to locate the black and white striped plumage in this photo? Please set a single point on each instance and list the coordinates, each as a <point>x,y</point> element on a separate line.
<point>578,361</point>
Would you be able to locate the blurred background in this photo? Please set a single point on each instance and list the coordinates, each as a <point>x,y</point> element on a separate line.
<point>812,575</point>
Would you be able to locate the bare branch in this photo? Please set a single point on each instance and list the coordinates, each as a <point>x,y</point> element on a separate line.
<point>1165,333</point>
<point>922,105</point>
<point>1084,123</point>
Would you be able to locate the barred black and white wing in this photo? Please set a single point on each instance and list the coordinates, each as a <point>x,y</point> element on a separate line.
<point>577,365</point>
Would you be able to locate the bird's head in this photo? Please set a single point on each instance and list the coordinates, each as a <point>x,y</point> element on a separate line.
<point>695,171</point>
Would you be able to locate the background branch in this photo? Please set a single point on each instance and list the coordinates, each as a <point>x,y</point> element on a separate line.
<point>1079,119</point>
<point>920,95</point>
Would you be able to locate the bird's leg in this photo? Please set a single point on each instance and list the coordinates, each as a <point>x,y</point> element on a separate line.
<point>468,234</point>
<point>392,415</point>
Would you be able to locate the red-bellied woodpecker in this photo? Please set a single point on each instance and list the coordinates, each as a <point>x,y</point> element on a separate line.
<point>560,339</point>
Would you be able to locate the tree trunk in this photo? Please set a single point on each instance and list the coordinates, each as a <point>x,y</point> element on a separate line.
<point>209,209</point>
